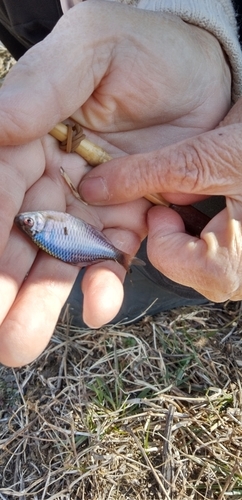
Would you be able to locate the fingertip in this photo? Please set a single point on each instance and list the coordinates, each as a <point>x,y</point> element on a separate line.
<point>94,190</point>
<point>103,295</point>
<point>113,182</point>
<point>30,322</point>
<point>21,343</point>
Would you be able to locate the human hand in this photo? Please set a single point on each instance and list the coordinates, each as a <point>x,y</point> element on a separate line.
<point>117,68</point>
<point>34,98</point>
<point>209,164</point>
<point>30,307</point>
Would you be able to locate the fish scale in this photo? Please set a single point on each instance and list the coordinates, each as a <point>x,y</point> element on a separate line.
<point>71,239</point>
<point>74,241</point>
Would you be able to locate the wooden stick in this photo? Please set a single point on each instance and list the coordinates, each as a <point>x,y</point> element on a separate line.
<point>95,155</point>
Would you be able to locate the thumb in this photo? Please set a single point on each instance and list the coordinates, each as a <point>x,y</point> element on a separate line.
<point>208,164</point>
<point>197,262</point>
<point>54,77</point>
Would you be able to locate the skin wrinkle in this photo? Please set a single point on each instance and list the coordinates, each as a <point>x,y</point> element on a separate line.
<point>202,281</point>
<point>209,272</point>
<point>201,169</point>
<point>154,176</point>
<point>213,59</point>
<point>205,155</point>
<point>138,175</point>
<point>233,162</point>
<point>17,255</point>
<point>183,163</point>
<point>187,167</point>
<point>10,203</point>
<point>226,183</point>
<point>7,191</point>
<point>118,103</point>
<point>212,271</point>
<point>23,118</point>
<point>204,152</point>
<point>204,35</point>
<point>14,126</point>
<point>152,173</point>
<point>221,152</point>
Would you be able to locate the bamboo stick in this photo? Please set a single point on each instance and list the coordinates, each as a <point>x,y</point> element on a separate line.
<point>95,155</point>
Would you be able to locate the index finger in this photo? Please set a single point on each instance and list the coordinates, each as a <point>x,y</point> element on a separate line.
<point>208,164</point>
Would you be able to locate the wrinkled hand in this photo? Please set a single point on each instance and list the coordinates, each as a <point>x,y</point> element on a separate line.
<point>127,69</point>
<point>142,79</point>
<point>209,164</point>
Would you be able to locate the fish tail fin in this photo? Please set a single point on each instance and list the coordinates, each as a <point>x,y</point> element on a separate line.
<point>135,261</point>
<point>126,261</point>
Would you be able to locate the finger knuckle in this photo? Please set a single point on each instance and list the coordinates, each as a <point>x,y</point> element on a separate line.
<point>187,164</point>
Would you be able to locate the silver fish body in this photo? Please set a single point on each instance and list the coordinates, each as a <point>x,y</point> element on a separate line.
<point>70,239</point>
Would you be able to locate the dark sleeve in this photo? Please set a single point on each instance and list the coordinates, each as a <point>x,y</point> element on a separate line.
<point>23,23</point>
<point>238,9</point>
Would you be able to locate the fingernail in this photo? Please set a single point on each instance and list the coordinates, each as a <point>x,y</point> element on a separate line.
<point>94,190</point>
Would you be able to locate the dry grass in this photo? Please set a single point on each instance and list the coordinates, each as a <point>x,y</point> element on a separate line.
<point>146,411</point>
<point>143,412</point>
<point>6,62</point>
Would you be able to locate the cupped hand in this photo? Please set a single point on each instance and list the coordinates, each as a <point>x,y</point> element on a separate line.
<point>33,285</point>
<point>208,164</point>
<point>116,68</point>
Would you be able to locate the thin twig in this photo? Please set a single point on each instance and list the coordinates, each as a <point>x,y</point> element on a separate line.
<point>167,469</point>
<point>161,486</point>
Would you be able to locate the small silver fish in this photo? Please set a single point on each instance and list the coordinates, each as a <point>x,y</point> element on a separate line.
<point>70,239</point>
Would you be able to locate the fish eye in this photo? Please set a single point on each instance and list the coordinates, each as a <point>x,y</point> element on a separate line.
<point>28,221</point>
